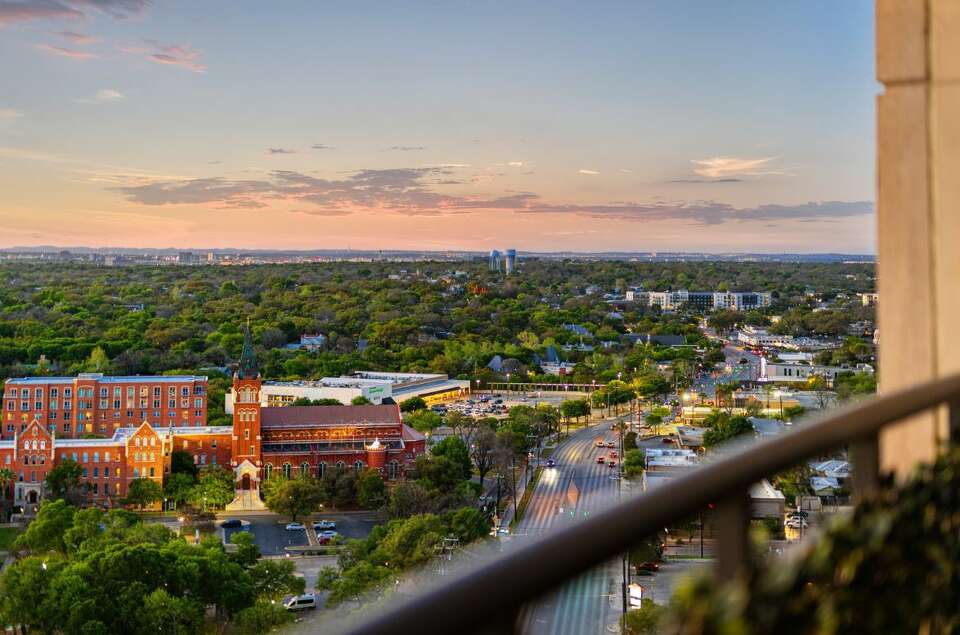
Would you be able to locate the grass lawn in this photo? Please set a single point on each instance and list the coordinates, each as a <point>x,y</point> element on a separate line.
<point>7,536</point>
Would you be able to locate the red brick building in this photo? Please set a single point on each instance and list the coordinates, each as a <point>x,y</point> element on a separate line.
<point>310,440</point>
<point>263,441</point>
<point>92,403</point>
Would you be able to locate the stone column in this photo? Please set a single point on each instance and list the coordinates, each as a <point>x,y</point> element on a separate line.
<point>918,210</point>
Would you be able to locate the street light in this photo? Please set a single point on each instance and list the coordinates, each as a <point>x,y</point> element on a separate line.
<point>779,395</point>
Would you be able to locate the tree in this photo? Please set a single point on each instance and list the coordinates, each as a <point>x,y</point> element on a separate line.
<point>409,498</point>
<point>438,472</point>
<point>371,490</point>
<point>247,552</point>
<point>274,579</point>
<point>413,404</point>
<point>46,532</point>
<point>181,462</point>
<point>215,487</point>
<point>633,463</point>
<point>143,492</point>
<point>360,400</point>
<point>178,487</point>
<point>725,428</point>
<point>6,478</point>
<point>63,482</point>
<point>162,612</point>
<point>468,524</point>
<point>644,620</point>
<point>481,451</point>
<point>295,498</point>
<point>456,450</point>
<point>262,617</point>
<point>98,361</point>
<point>423,420</point>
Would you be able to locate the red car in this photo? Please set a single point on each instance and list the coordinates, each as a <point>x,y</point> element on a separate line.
<point>613,455</point>
<point>600,459</point>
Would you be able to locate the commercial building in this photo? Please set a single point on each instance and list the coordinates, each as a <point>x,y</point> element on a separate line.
<point>503,262</point>
<point>701,300</point>
<point>794,372</point>
<point>93,403</point>
<point>375,386</point>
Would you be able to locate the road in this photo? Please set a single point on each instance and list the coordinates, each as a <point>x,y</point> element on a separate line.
<point>706,383</point>
<point>575,488</point>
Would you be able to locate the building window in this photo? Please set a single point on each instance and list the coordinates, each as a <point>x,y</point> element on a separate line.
<point>358,465</point>
<point>267,471</point>
<point>393,469</point>
<point>341,465</point>
<point>286,470</point>
<point>304,469</point>
<point>321,469</point>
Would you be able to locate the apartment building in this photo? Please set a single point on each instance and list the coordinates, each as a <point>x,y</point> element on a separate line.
<point>93,403</point>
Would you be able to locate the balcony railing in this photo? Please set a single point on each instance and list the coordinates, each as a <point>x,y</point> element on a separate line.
<point>488,598</point>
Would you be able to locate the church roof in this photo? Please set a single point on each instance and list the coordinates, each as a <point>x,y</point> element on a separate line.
<point>247,368</point>
<point>315,416</point>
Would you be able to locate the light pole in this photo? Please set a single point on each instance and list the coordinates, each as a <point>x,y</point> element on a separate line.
<point>779,396</point>
<point>684,397</point>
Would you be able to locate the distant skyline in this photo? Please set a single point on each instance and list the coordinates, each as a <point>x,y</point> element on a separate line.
<point>686,126</point>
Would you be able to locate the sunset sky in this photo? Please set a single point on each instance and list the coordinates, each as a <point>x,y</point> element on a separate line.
<point>588,126</point>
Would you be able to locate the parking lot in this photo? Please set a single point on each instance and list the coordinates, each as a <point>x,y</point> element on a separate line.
<point>271,536</point>
<point>497,404</point>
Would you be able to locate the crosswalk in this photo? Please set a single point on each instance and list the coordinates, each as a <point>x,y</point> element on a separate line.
<point>577,487</point>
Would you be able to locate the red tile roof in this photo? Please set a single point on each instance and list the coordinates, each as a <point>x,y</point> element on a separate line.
<point>314,416</point>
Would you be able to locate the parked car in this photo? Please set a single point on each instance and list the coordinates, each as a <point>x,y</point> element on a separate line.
<point>301,603</point>
<point>667,440</point>
<point>600,459</point>
<point>295,527</point>
<point>326,536</point>
<point>321,525</point>
<point>232,523</point>
<point>796,523</point>
<point>648,566</point>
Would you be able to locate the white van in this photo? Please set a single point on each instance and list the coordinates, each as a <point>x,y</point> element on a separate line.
<point>300,603</point>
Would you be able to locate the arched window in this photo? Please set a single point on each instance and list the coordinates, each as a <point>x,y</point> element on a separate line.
<point>393,470</point>
<point>86,457</point>
<point>136,472</point>
<point>321,469</point>
<point>286,470</point>
<point>358,465</point>
<point>341,465</point>
<point>267,471</point>
<point>96,457</point>
<point>304,469</point>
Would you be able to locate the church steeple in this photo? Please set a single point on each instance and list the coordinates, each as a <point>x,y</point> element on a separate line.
<point>247,368</point>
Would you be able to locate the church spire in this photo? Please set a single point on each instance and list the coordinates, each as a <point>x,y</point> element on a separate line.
<point>247,369</point>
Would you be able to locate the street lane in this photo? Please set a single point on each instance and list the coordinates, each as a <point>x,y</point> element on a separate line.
<point>571,491</point>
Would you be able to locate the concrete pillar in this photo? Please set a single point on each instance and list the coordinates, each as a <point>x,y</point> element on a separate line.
<point>918,210</point>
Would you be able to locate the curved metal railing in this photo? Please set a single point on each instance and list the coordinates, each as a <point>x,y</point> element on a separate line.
<point>488,598</point>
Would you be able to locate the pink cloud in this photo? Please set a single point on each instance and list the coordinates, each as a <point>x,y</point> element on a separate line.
<point>77,38</point>
<point>171,54</point>
<point>64,52</point>
<point>25,10</point>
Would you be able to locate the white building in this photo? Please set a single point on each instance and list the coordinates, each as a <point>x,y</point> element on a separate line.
<point>373,385</point>
<point>795,372</point>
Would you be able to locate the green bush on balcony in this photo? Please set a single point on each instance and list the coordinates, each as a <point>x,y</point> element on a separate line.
<point>893,566</point>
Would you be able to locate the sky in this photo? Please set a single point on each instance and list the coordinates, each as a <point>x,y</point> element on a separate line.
<point>739,126</point>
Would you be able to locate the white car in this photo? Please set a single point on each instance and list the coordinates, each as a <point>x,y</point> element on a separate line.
<point>295,527</point>
<point>300,602</point>
<point>796,523</point>
<point>321,525</point>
